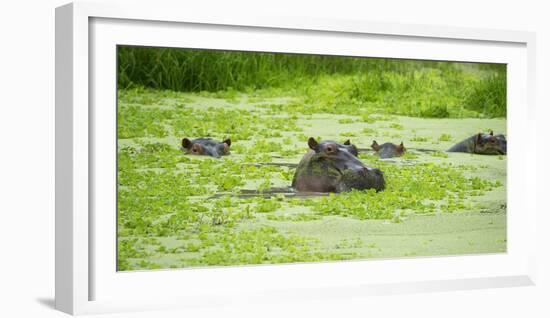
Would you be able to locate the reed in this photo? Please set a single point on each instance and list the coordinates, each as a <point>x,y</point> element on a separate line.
<point>411,87</point>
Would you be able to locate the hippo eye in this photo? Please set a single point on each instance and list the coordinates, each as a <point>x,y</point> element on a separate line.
<point>196,149</point>
<point>331,149</point>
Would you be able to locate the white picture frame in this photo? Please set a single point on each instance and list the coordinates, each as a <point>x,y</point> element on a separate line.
<point>86,278</point>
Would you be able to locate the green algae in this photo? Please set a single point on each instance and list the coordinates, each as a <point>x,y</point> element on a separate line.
<point>177,210</point>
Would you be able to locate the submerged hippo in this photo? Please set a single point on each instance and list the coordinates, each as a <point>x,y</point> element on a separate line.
<point>333,167</point>
<point>206,147</point>
<point>483,144</point>
<point>351,148</point>
<point>388,149</point>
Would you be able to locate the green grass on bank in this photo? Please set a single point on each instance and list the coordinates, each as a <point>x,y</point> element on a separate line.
<point>323,83</point>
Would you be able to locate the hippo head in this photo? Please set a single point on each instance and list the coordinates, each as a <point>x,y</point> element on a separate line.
<point>490,144</point>
<point>350,148</point>
<point>334,167</point>
<point>502,141</point>
<point>388,149</point>
<point>206,147</point>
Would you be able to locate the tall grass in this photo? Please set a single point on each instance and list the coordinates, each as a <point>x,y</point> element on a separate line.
<point>412,87</point>
<point>489,96</point>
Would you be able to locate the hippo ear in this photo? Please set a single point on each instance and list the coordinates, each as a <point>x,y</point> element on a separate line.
<point>491,133</point>
<point>347,142</point>
<point>228,142</point>
<point>312,143</point>
<point>401,147</point>
<point>375,146</point>
<point>186,143</point>
<point>478,138</point>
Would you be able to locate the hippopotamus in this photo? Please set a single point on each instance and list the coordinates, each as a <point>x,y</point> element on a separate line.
<point>351,148</point>
<point>206,147</point>
<point>483,144</point>
<point>388,149</point>
<point>333,167</point>
<point>502,141</point>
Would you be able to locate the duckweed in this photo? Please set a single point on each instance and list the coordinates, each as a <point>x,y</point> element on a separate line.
<point>200,204</point>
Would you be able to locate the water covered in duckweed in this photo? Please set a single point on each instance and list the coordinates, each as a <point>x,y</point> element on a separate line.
<point>176,210</point>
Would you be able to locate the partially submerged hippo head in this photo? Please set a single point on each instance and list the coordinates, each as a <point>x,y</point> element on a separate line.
<point>351,148</point>
<point>489,144</point>
<point>483,144</point>
<point>333,167</point>
<point>206,147</point>
<point>388,149</point>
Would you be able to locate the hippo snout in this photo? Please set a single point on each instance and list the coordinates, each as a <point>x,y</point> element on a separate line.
<point>362,178</point>
<point>377,172</point>
<point>378,181</point>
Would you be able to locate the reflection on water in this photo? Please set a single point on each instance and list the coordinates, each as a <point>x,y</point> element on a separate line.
<point>287,192</point>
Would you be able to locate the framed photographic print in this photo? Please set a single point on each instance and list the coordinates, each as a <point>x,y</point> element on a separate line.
<point>210,160</point>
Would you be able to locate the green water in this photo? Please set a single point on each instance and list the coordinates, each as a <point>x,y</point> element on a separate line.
<point>176,223</point>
